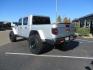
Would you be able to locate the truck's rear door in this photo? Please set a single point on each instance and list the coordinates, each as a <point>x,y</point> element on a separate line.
<point>64,30</point>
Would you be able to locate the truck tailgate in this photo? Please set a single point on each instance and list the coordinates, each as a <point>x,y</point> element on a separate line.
<point>65,30</point>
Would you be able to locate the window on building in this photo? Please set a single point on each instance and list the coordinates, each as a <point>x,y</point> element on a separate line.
<point>87,24</point>
<point>81,24</point>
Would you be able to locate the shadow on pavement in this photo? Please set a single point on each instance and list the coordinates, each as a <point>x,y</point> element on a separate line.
<point>92,62</point>
<point>47,48</point>
<point>64,47</point>
<point>88,68</point>
<point>68,46</point>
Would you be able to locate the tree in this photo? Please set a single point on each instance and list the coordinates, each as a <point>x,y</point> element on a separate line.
<point>66,20</point>
<point>59,19</point>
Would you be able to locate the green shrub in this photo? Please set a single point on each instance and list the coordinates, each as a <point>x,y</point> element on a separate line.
<point>82,31</point>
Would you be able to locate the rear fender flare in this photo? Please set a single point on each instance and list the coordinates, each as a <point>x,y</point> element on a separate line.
<point>39,32</point>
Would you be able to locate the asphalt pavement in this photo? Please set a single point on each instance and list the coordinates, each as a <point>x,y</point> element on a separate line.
<point>4,37</point>
<point>75,55</point>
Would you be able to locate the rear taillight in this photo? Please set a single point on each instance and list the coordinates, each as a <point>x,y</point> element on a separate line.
<point>55,31</point>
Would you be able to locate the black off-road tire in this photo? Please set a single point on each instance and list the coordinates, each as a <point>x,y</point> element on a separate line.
<point>35,44</point>
<point>12,37</point>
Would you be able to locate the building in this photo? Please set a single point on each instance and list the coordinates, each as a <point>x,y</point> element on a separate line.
<point>85,21</point>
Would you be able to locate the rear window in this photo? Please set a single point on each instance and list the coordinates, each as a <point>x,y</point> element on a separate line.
<point>40,20</point>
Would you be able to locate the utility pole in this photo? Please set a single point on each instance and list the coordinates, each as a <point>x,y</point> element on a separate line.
<point>56,8</point>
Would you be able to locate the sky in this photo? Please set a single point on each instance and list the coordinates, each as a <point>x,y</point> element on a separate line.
<point>12,10</point>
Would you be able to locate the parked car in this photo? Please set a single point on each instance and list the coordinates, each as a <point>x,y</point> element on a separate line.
<point>2,26</point>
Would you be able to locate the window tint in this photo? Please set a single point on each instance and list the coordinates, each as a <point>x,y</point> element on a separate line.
<point>25,21</point>
<point>40,20</point>
<point>20,21</point>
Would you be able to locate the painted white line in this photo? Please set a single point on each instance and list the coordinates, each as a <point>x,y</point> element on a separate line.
<point>53,56</point>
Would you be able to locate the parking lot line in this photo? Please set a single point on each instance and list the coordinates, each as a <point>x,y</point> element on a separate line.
<point>53,56</point>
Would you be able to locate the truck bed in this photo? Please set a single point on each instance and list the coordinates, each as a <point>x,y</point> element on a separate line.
<point>64,30</point>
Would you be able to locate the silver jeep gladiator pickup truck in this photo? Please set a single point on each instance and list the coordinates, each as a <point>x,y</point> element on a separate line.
<point>38,29</point>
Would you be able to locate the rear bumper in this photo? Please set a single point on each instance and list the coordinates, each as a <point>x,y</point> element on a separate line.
<point>64,39</point>
<point>60,40</point>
